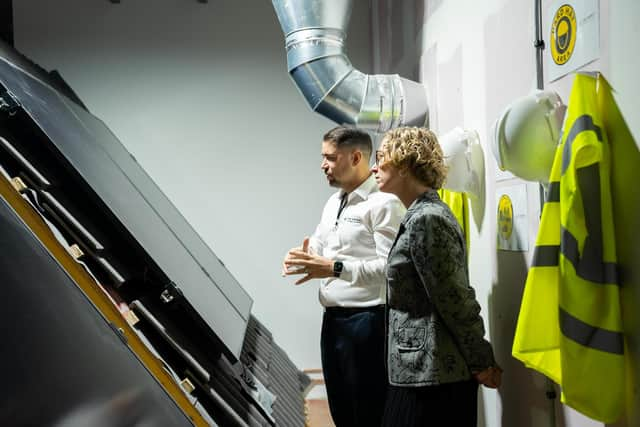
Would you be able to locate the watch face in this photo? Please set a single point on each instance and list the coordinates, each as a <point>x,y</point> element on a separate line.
<point>337,268</point>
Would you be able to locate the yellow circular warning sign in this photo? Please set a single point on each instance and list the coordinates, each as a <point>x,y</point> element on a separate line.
<point>505,217</point>
<point>563,34</point>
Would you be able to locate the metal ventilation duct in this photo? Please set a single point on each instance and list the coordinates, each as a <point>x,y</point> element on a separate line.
<point>315,32</point>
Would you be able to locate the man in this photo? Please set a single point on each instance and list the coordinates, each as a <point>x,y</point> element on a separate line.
<point>348,251</point>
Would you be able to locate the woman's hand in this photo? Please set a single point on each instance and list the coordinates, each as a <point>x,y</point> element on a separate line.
<point>490,377</point>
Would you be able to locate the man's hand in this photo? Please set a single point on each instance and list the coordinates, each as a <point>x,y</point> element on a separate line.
<point>303,248</point>
<point>490,377</point>
<point>300,261</point>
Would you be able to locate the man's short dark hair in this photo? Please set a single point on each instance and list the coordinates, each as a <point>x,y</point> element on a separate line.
<point>345,137</point>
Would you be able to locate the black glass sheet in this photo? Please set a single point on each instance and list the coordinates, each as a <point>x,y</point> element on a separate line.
<point>137,202</point>
<point>66,364</point>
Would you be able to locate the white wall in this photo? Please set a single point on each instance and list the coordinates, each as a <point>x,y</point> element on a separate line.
<point>475,58</point>
<point>200,95</point>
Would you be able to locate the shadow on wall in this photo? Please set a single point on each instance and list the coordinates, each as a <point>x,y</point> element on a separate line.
<point>478,202</point>
<point>625,174</point>
<point>523,391</point>
<point>432,7</point>
<point>400,37</point>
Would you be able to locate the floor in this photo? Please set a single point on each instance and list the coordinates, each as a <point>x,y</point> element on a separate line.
<point>318,415</point>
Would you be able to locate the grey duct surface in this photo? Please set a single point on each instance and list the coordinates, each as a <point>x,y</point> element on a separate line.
<point>315,33</point>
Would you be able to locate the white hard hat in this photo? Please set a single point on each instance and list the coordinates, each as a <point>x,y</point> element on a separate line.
<point>527,133</point>
<point>464,157</point>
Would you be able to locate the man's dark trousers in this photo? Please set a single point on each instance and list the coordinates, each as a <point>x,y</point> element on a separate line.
<point>352,345</point>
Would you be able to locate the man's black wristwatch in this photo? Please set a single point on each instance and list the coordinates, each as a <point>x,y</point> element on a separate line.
<point>337,268</point>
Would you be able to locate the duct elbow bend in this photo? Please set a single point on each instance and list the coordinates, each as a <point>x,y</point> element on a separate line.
<point>335,89</point>
<point>317,62</point>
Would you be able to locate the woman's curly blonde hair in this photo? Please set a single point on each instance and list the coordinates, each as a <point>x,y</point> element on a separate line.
<point>417,150</point>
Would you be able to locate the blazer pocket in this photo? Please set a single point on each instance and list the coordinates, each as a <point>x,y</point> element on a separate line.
<point>411,339</point>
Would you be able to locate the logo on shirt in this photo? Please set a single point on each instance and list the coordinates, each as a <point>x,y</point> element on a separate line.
<point>352,219</point>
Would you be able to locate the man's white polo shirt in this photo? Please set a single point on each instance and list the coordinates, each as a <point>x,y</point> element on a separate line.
<point>361,238</point>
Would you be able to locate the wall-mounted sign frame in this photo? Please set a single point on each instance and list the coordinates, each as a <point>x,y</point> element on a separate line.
<point>572,35</point>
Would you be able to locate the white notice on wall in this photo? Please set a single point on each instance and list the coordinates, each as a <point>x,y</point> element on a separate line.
<point>512,227</point>
<point>572,35</point>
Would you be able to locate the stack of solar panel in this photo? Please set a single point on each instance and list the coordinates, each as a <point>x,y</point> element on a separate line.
<point>102,268</point>
<point>273,368</point>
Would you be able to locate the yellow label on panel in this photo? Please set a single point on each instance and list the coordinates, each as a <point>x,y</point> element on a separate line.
<point>563,34</point>
<point>505,217</point>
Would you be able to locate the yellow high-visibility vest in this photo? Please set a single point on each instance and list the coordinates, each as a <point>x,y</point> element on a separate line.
<point>459,205</point>
<point>570,324</point>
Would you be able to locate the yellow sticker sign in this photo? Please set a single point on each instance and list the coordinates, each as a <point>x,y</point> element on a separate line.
<point>563,34</point>
<point>505,217</point>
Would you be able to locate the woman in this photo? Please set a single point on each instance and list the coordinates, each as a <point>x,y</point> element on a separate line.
<point>436,353</point>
